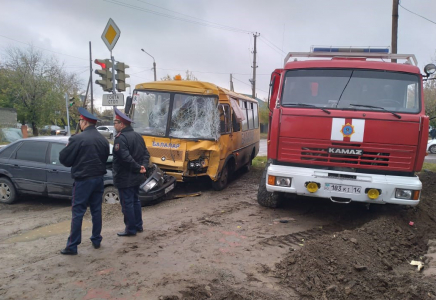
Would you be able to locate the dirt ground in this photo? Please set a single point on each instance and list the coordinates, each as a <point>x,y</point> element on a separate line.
<point>223,245</point>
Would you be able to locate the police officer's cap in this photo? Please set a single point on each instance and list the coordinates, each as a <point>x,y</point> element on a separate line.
<point>122,117</point>
<point>86,115</point>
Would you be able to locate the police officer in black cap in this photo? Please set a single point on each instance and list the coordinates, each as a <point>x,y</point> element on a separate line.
<point>131,159</point>
<point>86,153</point>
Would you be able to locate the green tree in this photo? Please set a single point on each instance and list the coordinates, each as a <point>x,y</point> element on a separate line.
<point>35,86</point>
<point>430,99</point>
<point>188,76</point>
<point>264,112</point>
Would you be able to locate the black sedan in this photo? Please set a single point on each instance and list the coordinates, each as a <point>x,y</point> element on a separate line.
<point>31,166</point>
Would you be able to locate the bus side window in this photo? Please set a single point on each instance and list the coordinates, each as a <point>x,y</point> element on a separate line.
<point>244,110</point>
<point>224,110</point>
<point>256,115</point>
<point>235,123</point>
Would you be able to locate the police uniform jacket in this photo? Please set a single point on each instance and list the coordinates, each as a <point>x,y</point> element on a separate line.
<point>86,154</point>
<point>130,154</point>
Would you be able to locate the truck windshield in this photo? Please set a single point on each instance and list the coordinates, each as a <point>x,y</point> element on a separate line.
<point>340,88</point>
<point>191,117</point>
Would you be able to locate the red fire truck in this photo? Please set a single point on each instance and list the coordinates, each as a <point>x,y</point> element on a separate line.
<point>346,125</point>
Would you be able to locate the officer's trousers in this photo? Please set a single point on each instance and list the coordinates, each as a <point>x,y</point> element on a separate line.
<point>131,207</point>
<point>86,192</point>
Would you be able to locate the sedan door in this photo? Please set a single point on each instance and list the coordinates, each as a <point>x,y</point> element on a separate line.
<point>27,167</point>
<point>59,181</point>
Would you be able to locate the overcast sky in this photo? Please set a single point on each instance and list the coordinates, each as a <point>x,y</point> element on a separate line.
<point>210,38</point>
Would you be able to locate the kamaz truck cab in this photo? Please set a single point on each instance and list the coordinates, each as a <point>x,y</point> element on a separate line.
<point>346,125</point>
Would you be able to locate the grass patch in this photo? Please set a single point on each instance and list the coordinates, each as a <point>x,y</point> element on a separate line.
<point>259,162</point>
<point>429,166</point>
<point>263,135</point>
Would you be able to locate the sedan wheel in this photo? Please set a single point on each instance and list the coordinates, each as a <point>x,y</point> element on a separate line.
<point>7,191</point>
<point>432,149</point>
<point>110,195</point>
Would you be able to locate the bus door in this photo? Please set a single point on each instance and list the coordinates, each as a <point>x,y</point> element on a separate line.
<point>226,139</point>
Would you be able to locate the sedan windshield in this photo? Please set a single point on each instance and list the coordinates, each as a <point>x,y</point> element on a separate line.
<point>347,89</point>
<point>188,116</point>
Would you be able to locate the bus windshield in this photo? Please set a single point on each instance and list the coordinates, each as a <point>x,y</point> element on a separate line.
<point>188,116</point>
<point>352,89</point>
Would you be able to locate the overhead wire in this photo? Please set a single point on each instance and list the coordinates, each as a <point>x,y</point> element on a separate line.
<point>416,14</point>
<point>202,23</point>
<point>42,48</point>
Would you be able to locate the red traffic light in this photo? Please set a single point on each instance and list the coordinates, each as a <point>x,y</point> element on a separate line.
<point>100,62</point>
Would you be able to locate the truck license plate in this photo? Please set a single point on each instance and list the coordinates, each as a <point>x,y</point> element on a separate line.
<point>342,188</point>
<point>168,189</point>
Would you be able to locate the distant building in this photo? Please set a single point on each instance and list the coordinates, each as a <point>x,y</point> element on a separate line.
<point>8,117</point>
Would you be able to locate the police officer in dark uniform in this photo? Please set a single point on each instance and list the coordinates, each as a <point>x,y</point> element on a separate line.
<point>130,161</point>
<point>86,153</point>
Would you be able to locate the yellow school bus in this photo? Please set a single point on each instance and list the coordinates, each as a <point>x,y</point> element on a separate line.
<point>194,128</point>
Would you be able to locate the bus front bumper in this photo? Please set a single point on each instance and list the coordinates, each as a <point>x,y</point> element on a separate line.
<point>346,186</point>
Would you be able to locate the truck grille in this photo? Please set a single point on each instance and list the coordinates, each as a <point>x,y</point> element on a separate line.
<point>368,158</point>
<point>394,157</point>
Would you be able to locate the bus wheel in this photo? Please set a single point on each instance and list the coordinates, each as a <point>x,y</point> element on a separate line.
<point>221,183</point>
<point>265,198</point>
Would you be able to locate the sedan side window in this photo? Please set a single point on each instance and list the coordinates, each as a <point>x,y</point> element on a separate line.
<point>6,153</point>
<point>54,153</point>
<point>33,151</point>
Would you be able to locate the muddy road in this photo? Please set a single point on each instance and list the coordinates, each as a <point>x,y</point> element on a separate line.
<point>223,245</point>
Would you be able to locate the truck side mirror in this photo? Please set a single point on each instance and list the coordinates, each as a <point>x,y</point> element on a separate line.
<point>429,69</point>
<point>128,105</point>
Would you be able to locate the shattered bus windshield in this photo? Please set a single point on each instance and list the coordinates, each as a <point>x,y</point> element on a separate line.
<point>151,112</point>
<point>192,116</point>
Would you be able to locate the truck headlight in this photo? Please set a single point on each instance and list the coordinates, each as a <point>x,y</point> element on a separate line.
<point>407,194</point>
<point>283,181</point>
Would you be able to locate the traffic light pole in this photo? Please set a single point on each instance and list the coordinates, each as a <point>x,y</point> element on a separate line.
<point>68,114</point>
<point>113,89</point>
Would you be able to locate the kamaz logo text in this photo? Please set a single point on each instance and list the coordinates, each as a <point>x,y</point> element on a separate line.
<point>345,151</point>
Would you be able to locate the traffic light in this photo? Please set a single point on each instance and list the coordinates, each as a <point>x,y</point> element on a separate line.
<point>71,102</point>
<point>121,76</point>
<point>106,74</point>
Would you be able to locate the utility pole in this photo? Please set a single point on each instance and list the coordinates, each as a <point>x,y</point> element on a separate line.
<point>253,82</point>
<point>395,4</point>
<point>231,83</point>
<point>90,79</point>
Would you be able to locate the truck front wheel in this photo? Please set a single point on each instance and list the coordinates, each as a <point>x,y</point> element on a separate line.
<point>265,198</point>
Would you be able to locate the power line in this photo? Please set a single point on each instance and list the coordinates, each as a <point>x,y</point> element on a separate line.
<point>263,37</point>
<point>280,53</point>
<point>417,14</point>
<point>247,84</point>
<point>194,17</point>
<point>42,48</point>
<point>217,26</point>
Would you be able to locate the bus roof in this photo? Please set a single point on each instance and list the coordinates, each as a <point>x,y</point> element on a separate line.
<point>190,87</point>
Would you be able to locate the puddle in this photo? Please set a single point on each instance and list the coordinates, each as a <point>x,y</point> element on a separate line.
<point>46,231</point>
